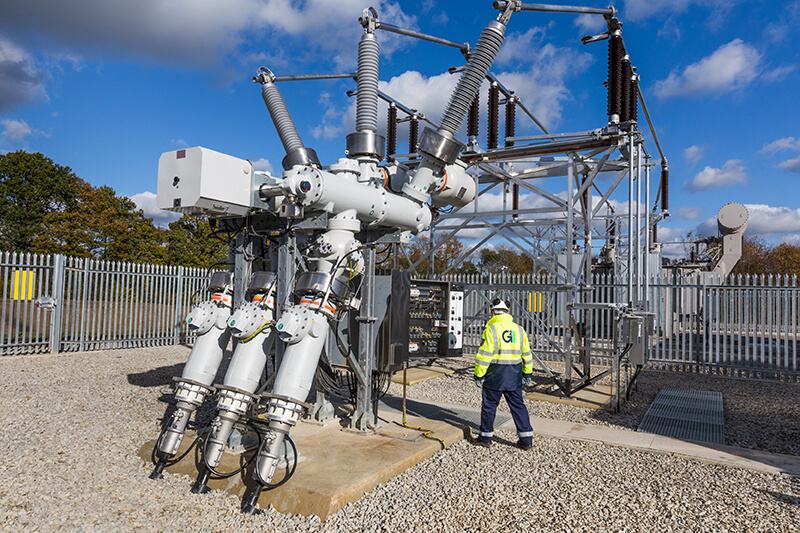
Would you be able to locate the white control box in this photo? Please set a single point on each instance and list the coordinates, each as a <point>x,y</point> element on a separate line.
<point>455,319</point>
<point>200,181</point>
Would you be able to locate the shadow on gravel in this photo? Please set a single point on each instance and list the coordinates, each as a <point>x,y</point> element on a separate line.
<point>432,411</point>
<point>157,377</point>
<point>784,498</point>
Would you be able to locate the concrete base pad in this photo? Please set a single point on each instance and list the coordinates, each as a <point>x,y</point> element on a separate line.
<point>337,465</point>
<point>420,373</point>
<point>591,397</point>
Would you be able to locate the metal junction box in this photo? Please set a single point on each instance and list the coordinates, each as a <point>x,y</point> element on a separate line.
<point>200,181</point>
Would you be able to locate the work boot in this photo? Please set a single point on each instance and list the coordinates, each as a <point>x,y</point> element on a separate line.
<point>478,442</point>
<point>522,446</point>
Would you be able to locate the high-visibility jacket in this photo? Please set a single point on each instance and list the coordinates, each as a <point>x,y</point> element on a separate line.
<point>504,355</point>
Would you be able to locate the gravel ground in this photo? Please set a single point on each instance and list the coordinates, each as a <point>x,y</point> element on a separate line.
<point>761,415</point>
<point>72,424</point>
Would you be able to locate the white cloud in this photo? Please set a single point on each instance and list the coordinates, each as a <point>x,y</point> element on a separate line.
<point>778,74</point>
<point>542,70</point>
<point>590,23</point>
<point>792,165</point>
<point>146,201</point>
<point>731,173</point>
<point>688,213</point>
<point>263,165</point>
<point>786,143</point>
<point>642,9</point>
<point>729,68</point>
<point>16,130</point>
<point>694,153</point>
<point>793,239</point>
<point>20,81</point>
<point>196,32</point>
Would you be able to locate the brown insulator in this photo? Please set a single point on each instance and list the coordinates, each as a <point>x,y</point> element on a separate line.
<point>655,233</point>
<point>472,117</point>
<point>611,229</point>
<point>494,116</point>
<point>633,114</point>
<point>615,54</point>
<point>511,120</point>
<point>625,91</point>
<point>413,134</point>
<point>391,133</point>
<point>665,188</point>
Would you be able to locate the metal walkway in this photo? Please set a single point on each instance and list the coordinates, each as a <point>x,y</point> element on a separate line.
<point>686,414</point>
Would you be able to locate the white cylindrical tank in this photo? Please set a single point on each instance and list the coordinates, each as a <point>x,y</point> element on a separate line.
<point>732,218</point>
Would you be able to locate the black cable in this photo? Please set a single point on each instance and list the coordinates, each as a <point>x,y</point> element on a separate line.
<point>224,475</point>
<point>171,461</point>
<point>289,475</point>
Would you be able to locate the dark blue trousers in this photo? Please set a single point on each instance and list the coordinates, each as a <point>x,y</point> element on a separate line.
<point>491,398</point>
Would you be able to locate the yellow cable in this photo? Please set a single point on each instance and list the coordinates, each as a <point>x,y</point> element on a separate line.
<point>426,433</point>
<point>263,326</point>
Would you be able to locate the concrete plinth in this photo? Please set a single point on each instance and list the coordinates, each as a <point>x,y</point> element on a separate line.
<point>337,465</point>
<point>591,397</point>
<point>420,373</point>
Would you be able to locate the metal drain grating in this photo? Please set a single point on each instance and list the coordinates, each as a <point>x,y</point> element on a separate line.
<point>451,415</point>
<point>686,414</point>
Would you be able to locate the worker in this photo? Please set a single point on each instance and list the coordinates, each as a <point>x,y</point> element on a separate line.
<point>502,367</point>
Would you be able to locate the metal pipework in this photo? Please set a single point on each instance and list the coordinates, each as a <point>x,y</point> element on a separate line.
<point>209,321</point>
<point>610,11</point>
<point>296,152</point>
<point>464,47</point>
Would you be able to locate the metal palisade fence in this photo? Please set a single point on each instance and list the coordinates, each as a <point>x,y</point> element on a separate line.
<point>738,326</point>
<point>54,303</point>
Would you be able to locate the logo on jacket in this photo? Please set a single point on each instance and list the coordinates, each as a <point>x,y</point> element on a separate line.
<point>509,336</point>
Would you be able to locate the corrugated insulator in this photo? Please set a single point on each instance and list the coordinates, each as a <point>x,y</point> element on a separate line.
<point>611,229</point>
<point>664,189</point>
<point>279,113</point>
<point>511,120</point>
<point>472,118</point>
<point>615,53</point>
<point>655,233</point>
<point>634,109</point>
<point>625,91</point>
<point>494,116</point>
<point>391,133</point>
<point>367,95</point>
<point>413,134</point>
<point>469,84</point>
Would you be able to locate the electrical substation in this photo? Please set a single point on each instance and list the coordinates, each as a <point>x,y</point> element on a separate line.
<point>312,319</point>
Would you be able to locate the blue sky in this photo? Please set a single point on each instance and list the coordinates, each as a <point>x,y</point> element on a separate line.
<point>106,86</point>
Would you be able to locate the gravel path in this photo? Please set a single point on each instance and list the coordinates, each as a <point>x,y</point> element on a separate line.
<point>72,425</point>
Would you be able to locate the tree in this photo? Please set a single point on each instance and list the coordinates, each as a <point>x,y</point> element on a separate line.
<point>784,259</point>
<point>754,257</point>
<point>504,260</point>
<point>31,187</point>
<point>446,257</point>
<point>100,224</point>
<point>190,243</point>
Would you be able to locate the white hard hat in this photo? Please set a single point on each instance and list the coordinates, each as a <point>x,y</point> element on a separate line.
<point>499,305</point>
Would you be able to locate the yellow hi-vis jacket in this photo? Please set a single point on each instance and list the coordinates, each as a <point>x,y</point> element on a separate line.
<point>505,354</point>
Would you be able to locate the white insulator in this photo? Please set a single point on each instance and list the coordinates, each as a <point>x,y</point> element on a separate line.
<point>296,373</point>
<point>367,94</point>
<point>480,61</point>
<point>284,124</point>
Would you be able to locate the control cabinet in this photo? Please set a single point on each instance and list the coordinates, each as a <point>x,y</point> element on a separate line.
<point>416,319</point>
